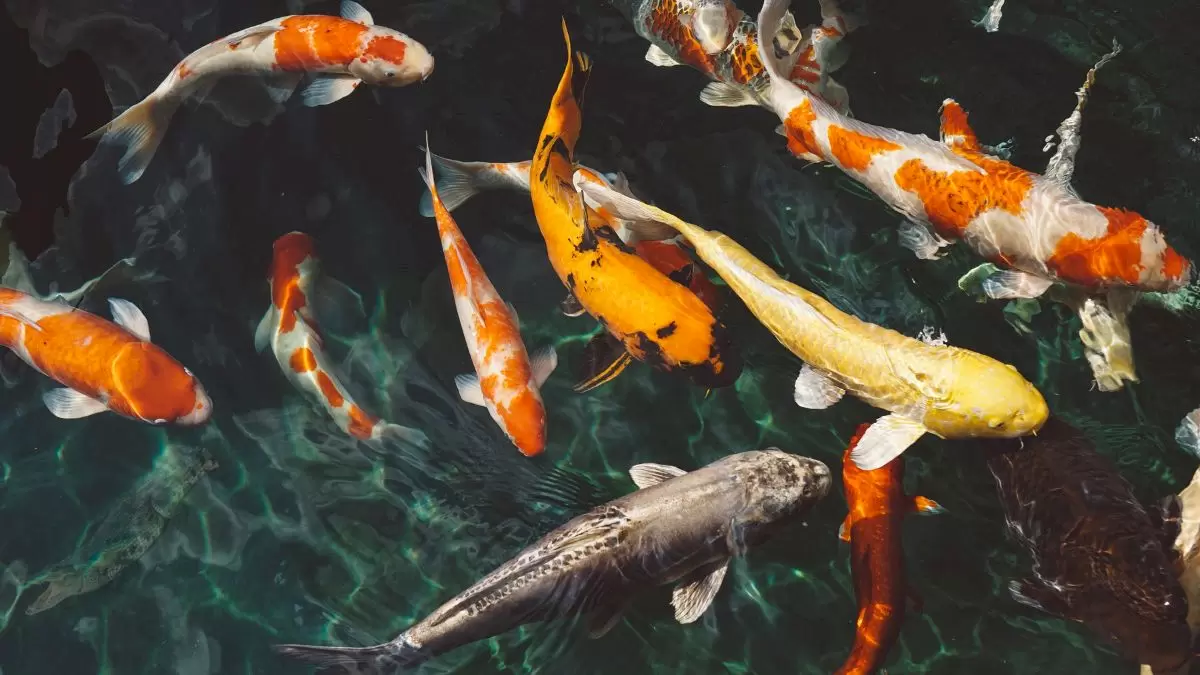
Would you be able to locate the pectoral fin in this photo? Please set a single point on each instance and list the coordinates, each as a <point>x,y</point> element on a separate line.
<point>326,89</point>
<point>336,307</point>
<point>692,597</point>
<point>844,528</point>
<point>1009,284</point>
<point>646,475</point>
<point>570,306</point>
<point>266,327</point>
<point>68,404</point>
<point>658,57</point>
<point>889,436</point>
<point>926,507</point>
<point>815,391</point>
<point>604,358</point>
<point>543,362</point>
<point>723,95</point>
<point>468,389</point>
<point>128,316</point>
<point>922,241</point>
<point>355,12</point>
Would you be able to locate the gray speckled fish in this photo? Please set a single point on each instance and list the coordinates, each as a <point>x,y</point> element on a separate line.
<point>679,526</point>
<point>128,530</point>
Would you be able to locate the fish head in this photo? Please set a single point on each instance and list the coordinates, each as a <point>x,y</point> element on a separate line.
<point>996,400</point>
<point>1144,610</point>
<point>776,487</point>
<point>1163,268</point>
<point>524,421</point>
<point>712,22</point>
<point>153,387</point>
<point>390,58</point>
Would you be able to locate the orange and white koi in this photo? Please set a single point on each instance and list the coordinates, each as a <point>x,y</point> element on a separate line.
<point>721,41</point>
<point>506,379</point>
<point>660,322</point>
<point>339,53</point>
<point>290,329</point>
<point>105,365</point>
<point>1033,224</point>
<point>874,527</point>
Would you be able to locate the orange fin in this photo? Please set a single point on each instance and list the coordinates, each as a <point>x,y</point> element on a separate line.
<point>844,530</point>
<point>926,506</point>
<point>956,131</point>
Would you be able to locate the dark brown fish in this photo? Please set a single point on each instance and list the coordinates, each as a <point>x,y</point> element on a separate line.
<point>1098,555</point>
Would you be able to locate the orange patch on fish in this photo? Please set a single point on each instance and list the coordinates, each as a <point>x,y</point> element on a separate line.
<point>387,48</point>
<point>303,360</point>
<point>329,390</point>
<point>854,150</point>
<point>291,250</point>
<point>744,60</point>
<point>311,42</point>
<point>954,123</point>
<point>952,199</point>
<point>799,125</point>
<point>1116,255</point>
<point>361,424</point>
<point>664,22</point>
<point>806,67</point>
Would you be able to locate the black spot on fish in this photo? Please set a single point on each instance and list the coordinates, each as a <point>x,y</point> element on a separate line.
<point>546,140</point>
<point>560,148</point>
<point>571,283</point>
<point>652,353</point>
<point>683,275</point>
<point>588,242</point>
<point>544,171</point>
<point>667,330</point>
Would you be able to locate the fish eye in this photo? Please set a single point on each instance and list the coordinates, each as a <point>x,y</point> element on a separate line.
<point>389,74</point>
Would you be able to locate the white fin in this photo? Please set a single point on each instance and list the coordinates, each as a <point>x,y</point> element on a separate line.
<point>815,391</point>
<point>356,12</point>
<point>456,183</point>
<point>1061,166</point>
<point>723,95</point>
<point>658,57</point>
<point>932,337</point>
<point>645,221</point>
<point>889,436</point>
<point>468,389</point>
<point>68,404</point>
<point>266,328</point>
<point>781,130</point>
<point>405,434</point>
<point>326,89</point>
<point>1008,284</point>
<point>620,182</point>
<point>691,598</point>
<point>280,87</point>
<point>139,129</point>
<point>128,316</point>
<point>336,306</point>
<point>1188,433</point>
<point>991,20</point>
<point>922,240</point>
<point>543,362</point>
<point>645,475</point>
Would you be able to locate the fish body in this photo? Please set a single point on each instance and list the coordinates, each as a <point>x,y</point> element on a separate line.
<point>926,386</point>
<point>726,49</point>
<point>127,531</point>
<point>338,52</point>
<point>679,527</point>
<point>289,328</point>
<point>506,380</point>
<point>1098,558</point>
<point>874,529</point>
<point>1033,224</point>
<point>104,365</point>
<point>659,321</point>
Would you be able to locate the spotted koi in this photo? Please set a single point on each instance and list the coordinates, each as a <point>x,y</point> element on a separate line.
<point>290,329</point>
<point>104,365</point>
<point>338,53</point>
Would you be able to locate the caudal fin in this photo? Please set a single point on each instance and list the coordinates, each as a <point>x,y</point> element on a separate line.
<point>456,183</point>
<point>409,435</point>
<point>140,129</point>
<point>378,660</point>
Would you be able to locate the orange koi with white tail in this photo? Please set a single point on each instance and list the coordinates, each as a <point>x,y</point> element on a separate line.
<point>338,53</point>
<point>289,328</point>
<point>506,379</point>
<point>105,365</point>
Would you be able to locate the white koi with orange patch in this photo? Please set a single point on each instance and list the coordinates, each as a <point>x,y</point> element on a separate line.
<point>1033,224</point>
<point>290,329</point>
<point>506,379</point>
<point>340,53</point>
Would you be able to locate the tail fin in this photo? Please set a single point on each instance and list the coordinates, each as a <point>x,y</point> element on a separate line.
<point>377,660</point>
<point>457,182</point>
<point>769,23</point>
<point>140,129</point>
<point>409,435</point>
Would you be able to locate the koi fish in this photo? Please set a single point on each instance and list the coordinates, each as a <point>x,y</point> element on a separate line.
<point>1033,224</point>
<point>506,379</point>
<point>605,357</point>
<point>105,365</point>
<point>873,527</point>
<point>1098,556</point>
<point>678,526</point>
<point>726,48</point>
<point>338,53</point>
<point>290,329</point>
<point>659,321</point>
<point>926,386</point>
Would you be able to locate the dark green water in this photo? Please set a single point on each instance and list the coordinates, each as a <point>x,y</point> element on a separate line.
<point>301,535</point>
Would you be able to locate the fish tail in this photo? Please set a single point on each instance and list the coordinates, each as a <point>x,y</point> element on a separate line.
<point>377,660</point>
<point>456,182</point>
<point>140,129</point>
<point>770,20</point>
<point>398,432</point>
